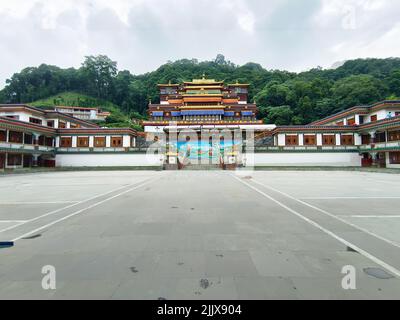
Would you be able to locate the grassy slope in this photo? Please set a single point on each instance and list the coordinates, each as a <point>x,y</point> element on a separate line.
<point>74,99</point>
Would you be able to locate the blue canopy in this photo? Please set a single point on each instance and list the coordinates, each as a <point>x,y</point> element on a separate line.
<point>247,113</point>
<point>176,113</point>
<point>158,113</point>
<point>202,113</point>
<point>229,113</point>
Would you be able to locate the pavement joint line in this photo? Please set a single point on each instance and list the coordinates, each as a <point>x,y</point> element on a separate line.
<point>346,198</point>
<point>84,209</point>
<point>12,227</point>
<point>366,254</point>
<point>12,221</point>
<point>37,202</point>
<point>371,216</point>
<point>65,208</point>
<point>330,215</point>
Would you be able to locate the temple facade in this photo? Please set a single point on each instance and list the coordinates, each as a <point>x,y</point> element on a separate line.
<point>370,135</point>
<point>203,103</point>
<point>32,137</point>
<point>361,136</point>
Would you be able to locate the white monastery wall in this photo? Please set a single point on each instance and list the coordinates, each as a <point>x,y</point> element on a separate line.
<point>108,160</point>
<point>307,159</point>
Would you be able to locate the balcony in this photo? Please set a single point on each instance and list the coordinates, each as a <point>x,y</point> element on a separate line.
<point>25,147</point>
<point>381,146</point>
<point>307,149</point>
<point>91,150</point>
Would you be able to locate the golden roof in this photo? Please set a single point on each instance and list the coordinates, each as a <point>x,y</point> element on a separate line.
<point>168,85</point>
<point>203,80</point>
<point>204,87</point>
<point>203,107</point>
<point>238,85</point>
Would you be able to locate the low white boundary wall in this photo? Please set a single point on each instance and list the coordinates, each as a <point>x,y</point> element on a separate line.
<point>308,159</point>
<point>109,160</point>
<point>286,159</point>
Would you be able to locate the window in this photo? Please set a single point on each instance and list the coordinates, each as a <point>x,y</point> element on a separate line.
<point>347,140</point>
<point>394,157</point>
<point>2,160</point>
<point>62,125</point>
<point>329,140</point>
<point>100,142</point>
<point>116,142</point>
<point>340,123</point>
<point>292,140</point>
<point>66,142</point>
<point>361,119</point>
<point>74,126</point>
<point>13,117</point>
<point>351,122</point>
<point>15,137</point>
<point>49,141</point>
<point>14,159</point>
<point>28,139</point>
<point>3,135</point>
<point>50,123</point>
<point>380,137</point>
<point>397,113</point>
<point>365,139</point>
<point>35,120</point>
<point>41,140</point>
<point>394,135</point>
<point>310,140</point>
<point>374,118</point>
<point>83,142</point>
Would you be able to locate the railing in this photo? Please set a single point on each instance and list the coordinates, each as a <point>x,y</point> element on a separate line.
<point>381,145</point>
<point>102,150</point>
<point>25,147</point>
<point>305,148</point>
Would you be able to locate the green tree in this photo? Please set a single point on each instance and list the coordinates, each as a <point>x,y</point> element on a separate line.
<point>279,115</point>
<point>99,73</point>
<point>394,83</point>
<point>358,90</point>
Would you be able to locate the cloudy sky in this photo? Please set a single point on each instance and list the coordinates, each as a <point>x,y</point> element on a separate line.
<point>141,35</point>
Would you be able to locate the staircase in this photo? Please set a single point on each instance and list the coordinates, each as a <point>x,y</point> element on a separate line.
<point>204,167</point>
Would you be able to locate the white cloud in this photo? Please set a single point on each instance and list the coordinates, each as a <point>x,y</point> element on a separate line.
<point>143,34</point>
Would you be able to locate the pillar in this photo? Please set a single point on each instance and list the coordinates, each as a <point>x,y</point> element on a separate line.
<point>35,158</point>
<point>301,139</point>
<point>319,139</point>
<point>91,141</point>
<point>373,137</point>
<point>338,139</point>
<point>35,138</point>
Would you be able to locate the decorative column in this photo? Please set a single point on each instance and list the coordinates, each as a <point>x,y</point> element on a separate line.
<point>35,137</point>
<point>35,158</point>
<point>374,155</point>
<point>373,137</point>
<point>301,139</point>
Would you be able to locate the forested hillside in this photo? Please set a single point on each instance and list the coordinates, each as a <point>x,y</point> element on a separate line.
<point>283,97</point>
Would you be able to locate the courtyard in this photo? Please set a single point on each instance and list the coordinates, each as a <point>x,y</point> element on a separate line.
<point>200,234</point>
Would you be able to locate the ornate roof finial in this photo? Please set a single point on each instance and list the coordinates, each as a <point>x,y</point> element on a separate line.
<point>150,101</point>
<point>169,82</point>
<point>204,76</point>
